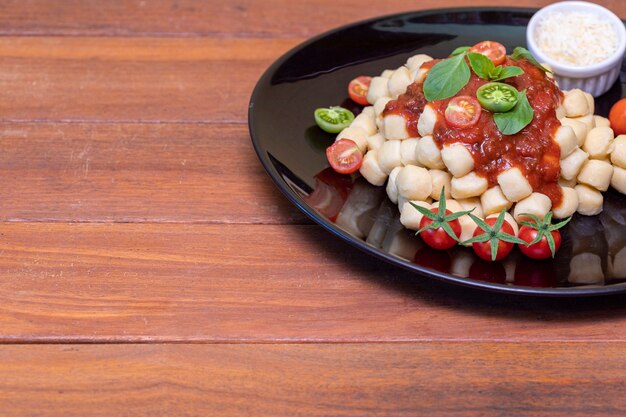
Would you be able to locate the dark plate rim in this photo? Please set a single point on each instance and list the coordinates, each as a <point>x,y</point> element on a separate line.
<point>422,272</point>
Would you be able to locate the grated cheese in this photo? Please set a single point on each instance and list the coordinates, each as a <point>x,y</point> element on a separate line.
<point>576,38</point>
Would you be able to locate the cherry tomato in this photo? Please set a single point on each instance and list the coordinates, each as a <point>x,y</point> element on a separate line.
<point>497,97</point>
<point>483,249</point>
<point>333,119</point>
<point>495,51</point>
<point>539,250</point>
<point>357,89</point>
<point>344,156</point>
<point>438,238</point>
<point>617,117</point>
<point>463,112</point>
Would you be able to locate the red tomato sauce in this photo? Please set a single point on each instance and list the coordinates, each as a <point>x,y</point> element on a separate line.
<point>532,150</point>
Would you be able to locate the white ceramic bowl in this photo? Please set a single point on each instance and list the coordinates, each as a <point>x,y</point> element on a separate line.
<point>595,79</point>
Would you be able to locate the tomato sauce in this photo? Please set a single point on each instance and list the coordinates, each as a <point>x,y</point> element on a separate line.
<point>532,150</point>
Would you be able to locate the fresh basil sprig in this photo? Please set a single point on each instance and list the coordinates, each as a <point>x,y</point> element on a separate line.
<point>520,52</point>
<point>485,68</point>
<point>460,50</point>
<point>446,78</point>
<point>517,118</point>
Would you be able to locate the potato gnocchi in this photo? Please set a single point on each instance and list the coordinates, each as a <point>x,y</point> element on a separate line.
<point>416,163</point>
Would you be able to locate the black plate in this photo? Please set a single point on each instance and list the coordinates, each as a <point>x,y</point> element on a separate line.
<point>292,150</point>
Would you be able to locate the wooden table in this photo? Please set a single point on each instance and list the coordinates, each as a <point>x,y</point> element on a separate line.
<point>149,266</point>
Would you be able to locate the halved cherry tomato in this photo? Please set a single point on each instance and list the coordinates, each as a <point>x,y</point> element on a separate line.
<point>333,119</point>
<point>344,156</point>
<point>357,89</point>
<point>439,238</point>
<point>617,117</point>
<point>497,97</point>
<point>463,112</point>
<point>495,51</point>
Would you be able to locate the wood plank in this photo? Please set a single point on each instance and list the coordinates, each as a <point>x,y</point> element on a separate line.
<point>176,282</point>
<point>210,18</point>
<point>442,379</point>
<point>99,79</point>
<point>136,172</point>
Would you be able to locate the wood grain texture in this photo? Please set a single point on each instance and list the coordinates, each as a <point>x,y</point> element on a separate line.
<point>101,79</point>
<point>176,282</point>
<point>212,18</point>
<point>199,173</point>
<point>442,379</point>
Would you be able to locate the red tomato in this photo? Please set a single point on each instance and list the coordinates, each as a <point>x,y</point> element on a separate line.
<point>438,238</point>
<point>463,112</point>
<point>539,250</point>
<point>617,117</point>
<point>357,89</point>
<point>483,249</point>
<point>344,156</point>
<point>495,51</point>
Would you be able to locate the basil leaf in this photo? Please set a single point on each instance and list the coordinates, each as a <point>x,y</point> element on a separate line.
<point>520,52</point>
<point>519,117</point>
<point>446,78</point>
<point>460,50</point>
<point>497,71</point>
<point>508,72</point>
<point>481,65</point>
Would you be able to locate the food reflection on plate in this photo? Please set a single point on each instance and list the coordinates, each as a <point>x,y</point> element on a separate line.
<point>593,251</point>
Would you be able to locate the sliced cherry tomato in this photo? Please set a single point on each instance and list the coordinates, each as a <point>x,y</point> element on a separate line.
<point>333,119</point>
<point>497,97</point>
<point>344,156</point>
<point>357,89</point>
<point>542,238</point>
<point>617,117</point>
<point>495,51</point>
<point>438,238</point>
<point>493,238</point>
<point>463,112</point>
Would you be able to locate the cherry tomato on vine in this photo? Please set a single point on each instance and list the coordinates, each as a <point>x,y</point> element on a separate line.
<point>358,88</point>
<point>493,238</point>
<point>541,249</point>
<point>495,51</point>
<point>463,112</point>
<point>617,117</point>
<point>542,238</point>
<point>438,238</point>
<point>440,228</point>
<point>344,156</point>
